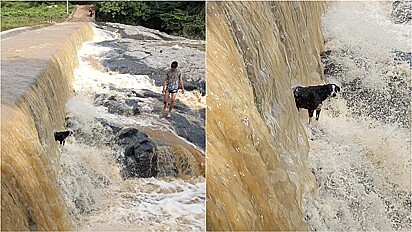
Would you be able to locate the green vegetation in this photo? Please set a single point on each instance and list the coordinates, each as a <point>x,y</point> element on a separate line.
<point>21,14</point>
<point>185,19</point>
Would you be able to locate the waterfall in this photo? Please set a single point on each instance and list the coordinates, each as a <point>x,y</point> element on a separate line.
<point>35,86</point>
<point>257,148</point>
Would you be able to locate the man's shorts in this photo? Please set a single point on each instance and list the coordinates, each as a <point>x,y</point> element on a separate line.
<point>172,90</point>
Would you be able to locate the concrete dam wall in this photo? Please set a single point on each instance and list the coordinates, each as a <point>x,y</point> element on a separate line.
<point>37,71</point>
<point>256,145</point>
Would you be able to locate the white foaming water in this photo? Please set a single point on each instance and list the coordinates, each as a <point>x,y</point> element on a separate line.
<point>98,197</point>
<point>367,25</point>
<point>362,163</point>
<point>365,32</point>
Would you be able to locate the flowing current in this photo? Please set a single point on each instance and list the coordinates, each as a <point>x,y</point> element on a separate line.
<point>360,150</point>
<point>359,154</point>
<point>96,193</point>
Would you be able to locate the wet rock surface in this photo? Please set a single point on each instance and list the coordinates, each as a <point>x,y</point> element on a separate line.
<point>401,11</point>
<point>140,159</point>
<point>403,56</point>
<point>119,106</point>
<point>115,128</point>
<point>389,103</point>
<point>138,53</point>
<point>187,129</point>
<point>149,52</point>
<point>186,122</point>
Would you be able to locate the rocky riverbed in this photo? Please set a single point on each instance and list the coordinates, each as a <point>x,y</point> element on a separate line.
<point>122,137</point>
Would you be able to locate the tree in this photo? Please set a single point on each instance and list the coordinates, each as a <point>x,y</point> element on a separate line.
<point>185,19</point>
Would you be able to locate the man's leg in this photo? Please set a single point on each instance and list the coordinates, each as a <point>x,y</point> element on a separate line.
<point>172,102</point>
<point>165,98</point>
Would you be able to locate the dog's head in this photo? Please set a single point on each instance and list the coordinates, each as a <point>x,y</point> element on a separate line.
<point>296,90</point>
<point>333,89</point>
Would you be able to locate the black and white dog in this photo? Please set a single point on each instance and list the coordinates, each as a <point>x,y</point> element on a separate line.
<point>62,135</point>
<point>311,97</point>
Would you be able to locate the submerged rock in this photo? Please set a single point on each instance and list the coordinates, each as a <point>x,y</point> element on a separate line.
<point>403,56</point>
<point>330,67</point>
<point>401,11</point>
<point>113,126</point>
<point>122,106</point>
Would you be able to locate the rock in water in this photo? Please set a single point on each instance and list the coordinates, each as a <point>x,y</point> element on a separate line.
<point>113,126</point>
<point>330,67</point>
<point>401,11</point>
<point>139,159</point>
<point>189,130</point>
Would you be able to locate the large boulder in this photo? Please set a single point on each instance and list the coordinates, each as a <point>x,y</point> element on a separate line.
<point>189,130</point>
<point>139,159</point>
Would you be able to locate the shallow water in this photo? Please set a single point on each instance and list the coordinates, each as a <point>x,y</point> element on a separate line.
<point>360,150</point>
<point>97,195</point>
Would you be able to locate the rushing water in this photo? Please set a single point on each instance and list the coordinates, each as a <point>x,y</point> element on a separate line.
<point>256,146</point>
<point>360,150</point>
<point>267,168</point>
<point>35,80</point>
<point>97,195</point>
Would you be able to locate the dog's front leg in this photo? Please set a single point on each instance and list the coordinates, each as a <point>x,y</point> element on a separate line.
<point>318,112</point>
<point>310,115</point>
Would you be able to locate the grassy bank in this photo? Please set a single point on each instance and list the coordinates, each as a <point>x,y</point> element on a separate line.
<point>22,14</point>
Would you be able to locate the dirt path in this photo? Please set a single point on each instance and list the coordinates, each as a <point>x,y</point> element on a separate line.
<point>80,14</point>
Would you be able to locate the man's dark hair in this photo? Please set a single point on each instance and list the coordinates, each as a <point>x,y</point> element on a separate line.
<point>174,64</point>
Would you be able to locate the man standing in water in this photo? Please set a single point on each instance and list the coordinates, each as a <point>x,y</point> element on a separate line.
<point>171,86</point>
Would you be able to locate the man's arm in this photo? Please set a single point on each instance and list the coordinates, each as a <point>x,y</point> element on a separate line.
<point>164,85</point>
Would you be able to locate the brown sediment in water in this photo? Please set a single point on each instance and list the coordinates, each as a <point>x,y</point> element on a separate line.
<point>256,145</point>
<point>179,147</point>
<point>37,71</point>
<point>95,63</point>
